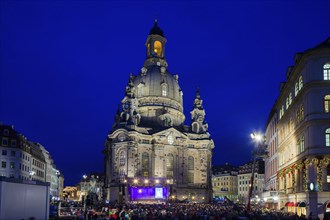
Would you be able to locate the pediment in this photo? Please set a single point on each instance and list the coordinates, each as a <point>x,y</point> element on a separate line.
<point>171,131</point>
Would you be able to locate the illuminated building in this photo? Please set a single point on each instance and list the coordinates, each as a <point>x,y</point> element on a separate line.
<point>244,180</point>
<point>224,182</point>
<point>300,139</point>
<point>26,160</point>
<point>149,140</point>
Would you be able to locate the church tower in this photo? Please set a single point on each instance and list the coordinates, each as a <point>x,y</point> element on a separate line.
<point>150,154</point>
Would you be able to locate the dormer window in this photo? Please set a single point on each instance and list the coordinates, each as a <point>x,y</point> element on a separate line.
<point>164,89</point>
<point>140,90</point>
<point>326,71</point>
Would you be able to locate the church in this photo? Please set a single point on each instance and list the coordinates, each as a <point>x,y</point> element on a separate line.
<point>150,155</point>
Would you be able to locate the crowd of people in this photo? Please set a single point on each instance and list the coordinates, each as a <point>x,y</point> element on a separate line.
<point>180,211</point>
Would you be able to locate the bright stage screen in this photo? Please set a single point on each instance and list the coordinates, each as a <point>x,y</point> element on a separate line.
<point>148,193</point>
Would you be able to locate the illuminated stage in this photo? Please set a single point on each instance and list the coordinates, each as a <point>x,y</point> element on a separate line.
<point>148,193</point>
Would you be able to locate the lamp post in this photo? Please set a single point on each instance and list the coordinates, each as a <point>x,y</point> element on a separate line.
<point>259,152</point>
<point>85,177</point>
<point>58,174</point>
<point>58,192</point>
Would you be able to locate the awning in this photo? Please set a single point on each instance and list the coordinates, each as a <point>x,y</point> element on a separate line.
<point>297,204</point>
<point>328,205</point>
<point>302,204</point>
<point>290,204</point>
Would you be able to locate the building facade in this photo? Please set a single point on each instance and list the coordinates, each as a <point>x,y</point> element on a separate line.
<point>150,154</point>
<point>26,160</point>
<point>270,194</point>
<point>224,182</point>
<point>303,133</point>
<point>244,181</point>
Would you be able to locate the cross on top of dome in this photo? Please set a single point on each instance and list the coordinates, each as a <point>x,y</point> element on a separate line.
<point>156,30</point>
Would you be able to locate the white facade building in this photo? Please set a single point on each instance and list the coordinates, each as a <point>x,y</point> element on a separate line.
<point>303,133</point>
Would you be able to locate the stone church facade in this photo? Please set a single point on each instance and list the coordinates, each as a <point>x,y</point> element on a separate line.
<point>150,154</point>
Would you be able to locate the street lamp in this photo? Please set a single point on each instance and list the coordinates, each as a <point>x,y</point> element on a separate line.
<point>259,152</point>
<point>85,177</point>
<point>58,183</point>
<point>32,173</point>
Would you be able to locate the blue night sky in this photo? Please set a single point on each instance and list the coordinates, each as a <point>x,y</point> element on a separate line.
<point>64,66</point>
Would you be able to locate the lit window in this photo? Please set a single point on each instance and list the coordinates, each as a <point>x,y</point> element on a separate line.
<point>158,48</point>
<point>122,158</point>
<point>300,83</point>
<point>12,165</point>
<point>327,103</point>
<point>287,103</point>
<point>327,137</point>
<point>164,90</point>
<point>328,173</point>
<point>290,98</point>
<point>326,71</point>
<point>301,112</point>
<point>302,144</point>
<point>296,89</point>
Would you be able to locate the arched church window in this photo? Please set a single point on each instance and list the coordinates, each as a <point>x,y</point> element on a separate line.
<point>327,103</point>
<point>122,158</point>
<point>169,166</point>
<point>158,48</point>
<point>145,164</point>
<point>326,71</point>
<point>327,137</point>
<point>190,169</point>
<point>164,90</point>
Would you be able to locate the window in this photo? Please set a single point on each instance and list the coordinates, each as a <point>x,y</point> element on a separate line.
<point>122,158</point>
<point>140,90</point>
<point>4,141</point>
<point>4,152</point>
<point>290,98</point>
<point>169,165</point>
<point>13,143</point>
<point>287,103</point>
<point>302,144</point>
<point>326,71</point>
<point>301,112</point>
<point>6,132</point>
<point>296,89</point>
<point>300,83</point>
<point>12,153</point>
<point>327,103</point>
<point>158,48</point>
<point>164,90</point>
<point>145,164</point>
<point>327,137</point>
<point>328,173</point>
<point>12,165</point>
<point>3,164</point>
<point>190,169</point>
